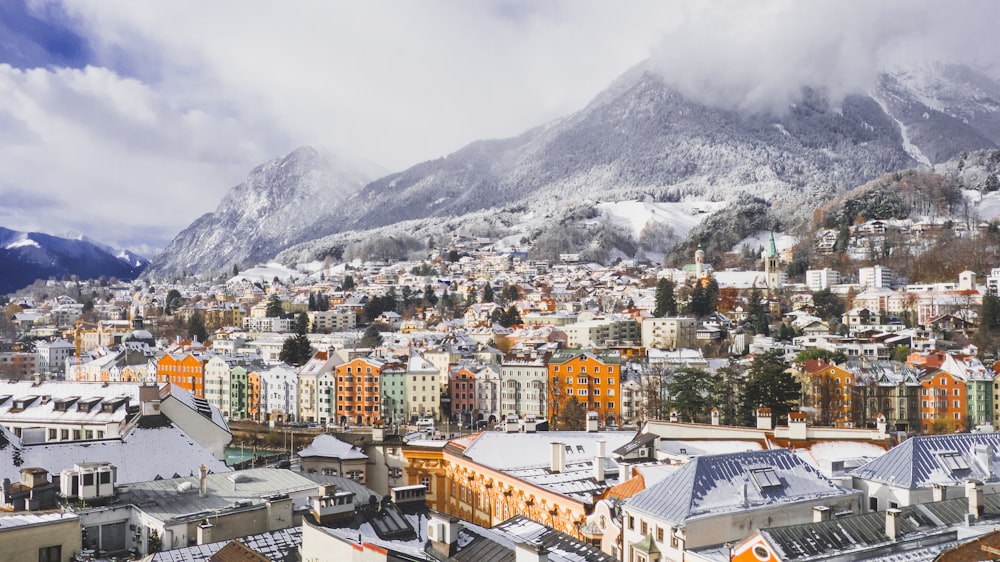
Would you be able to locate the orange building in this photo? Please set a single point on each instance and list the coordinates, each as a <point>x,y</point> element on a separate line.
<point>943,401</point>
<point>359,391</point>
<point>826,391</point>
<point>185,371</point>
<point>253,395</point>
<point>594,380</point>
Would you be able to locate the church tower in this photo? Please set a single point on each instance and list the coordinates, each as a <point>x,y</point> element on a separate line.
<point>699,263</point>
<point>772,269</point>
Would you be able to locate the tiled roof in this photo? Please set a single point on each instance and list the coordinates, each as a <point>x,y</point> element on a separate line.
<point>714,484</point>
<point>922,461</point>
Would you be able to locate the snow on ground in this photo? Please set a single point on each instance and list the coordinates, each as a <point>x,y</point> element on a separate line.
<point>759,240</point>
<point>910,148</point>
<point>988,207</point>
<point>266,272</point>
<point>681,216</point>
<point>24,242</point>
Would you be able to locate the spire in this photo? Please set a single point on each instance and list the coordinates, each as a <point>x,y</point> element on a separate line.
<point>772,249</point>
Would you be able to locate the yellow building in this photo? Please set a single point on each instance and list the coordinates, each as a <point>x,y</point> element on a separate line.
<point>489,477</point>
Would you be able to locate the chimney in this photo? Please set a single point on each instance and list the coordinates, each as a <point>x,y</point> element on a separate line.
<point>203,489</point>
<point>764,418</point>
<point>890,523</point>
<point>205,532</point>
<point>974,491</point>
<point>880,423</point>
<point>940,492</point>
<point>149,400</point>
<point>593,423</point>
<point>821,513</point>
<point>715,416</point>
<point>673,415</point>
<point>512,425</point>
<point>624,471</point>
<point>530,552</point>
<point>599,461</point>
<point>335,506</point>
<point>529,423</point>
<point>442,530</point>
<point>797,426</point>
<point>983,456</point>
<point>558,458</point>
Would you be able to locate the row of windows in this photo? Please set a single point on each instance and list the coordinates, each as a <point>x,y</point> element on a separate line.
<point>583,369</point>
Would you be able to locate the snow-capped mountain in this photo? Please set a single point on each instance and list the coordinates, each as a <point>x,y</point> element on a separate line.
<point>641,140</point>
<point>27,256</point>
<point>282,202</point>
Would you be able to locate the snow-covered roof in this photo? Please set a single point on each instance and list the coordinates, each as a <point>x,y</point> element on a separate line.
<point>169,500</point>
<point>925,460</point>
<point>142,454</point>
<point>715,484</point>
<point>328,446</point>
<point>507,451</point>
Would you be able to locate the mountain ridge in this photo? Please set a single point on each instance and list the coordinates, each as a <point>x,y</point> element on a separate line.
<point>641,139</point>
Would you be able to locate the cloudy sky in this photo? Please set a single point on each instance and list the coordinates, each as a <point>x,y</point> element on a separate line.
<point>126,120</point>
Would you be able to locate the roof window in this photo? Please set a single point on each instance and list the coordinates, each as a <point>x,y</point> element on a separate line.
<point>953,461</point>
<point>765,478</point>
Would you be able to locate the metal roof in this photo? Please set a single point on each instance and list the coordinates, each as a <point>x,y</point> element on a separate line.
<point>714,484</point>
<point>922,461</point>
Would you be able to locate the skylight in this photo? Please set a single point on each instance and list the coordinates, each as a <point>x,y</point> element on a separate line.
<point>953,461</point>
<point>765,478</point>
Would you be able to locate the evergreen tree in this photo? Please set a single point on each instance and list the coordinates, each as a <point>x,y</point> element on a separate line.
<point>312,302</point>
<point>666,302</point>
<point>769,384</point>
<point>572,416</point>
<point>297,350</point>
<point>690,394</point>
<point>726,390</point>
<point>172,302</point>
<point>274,309</point>
<point>372,337</point>
<point>236,270</point>
<point>510,293</point>
<point>429,297</point>
<point>757,313</point>
<point>698,301</point>
<point>827,305</point>
<point>711,295</point>
<point>987,337</point>
<point>348,282</point>
<point>196,328</point>
<point>487,293</point>
<point>512,317</point>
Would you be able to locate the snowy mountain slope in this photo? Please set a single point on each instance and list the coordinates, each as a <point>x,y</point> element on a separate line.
<point>27,256</point>
<point>643,139</point>
<point>639,140</point>
<point>282,202</point>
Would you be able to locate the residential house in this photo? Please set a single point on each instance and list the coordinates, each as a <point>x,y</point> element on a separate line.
<point>359,392</point>
<point>715,499</point>
<point>595,381</point>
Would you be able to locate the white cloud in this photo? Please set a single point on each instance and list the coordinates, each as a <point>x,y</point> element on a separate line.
<point>758,56</point>
<point>185,97</point>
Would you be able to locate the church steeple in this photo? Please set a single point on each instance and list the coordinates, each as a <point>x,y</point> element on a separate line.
<point>772,249</point>
<point>772,265</point>
<point>699,263</point>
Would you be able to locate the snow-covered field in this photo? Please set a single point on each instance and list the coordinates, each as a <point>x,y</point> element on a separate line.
<point>266,272</point>
<point>759,240</point>
<point>681,216</point>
